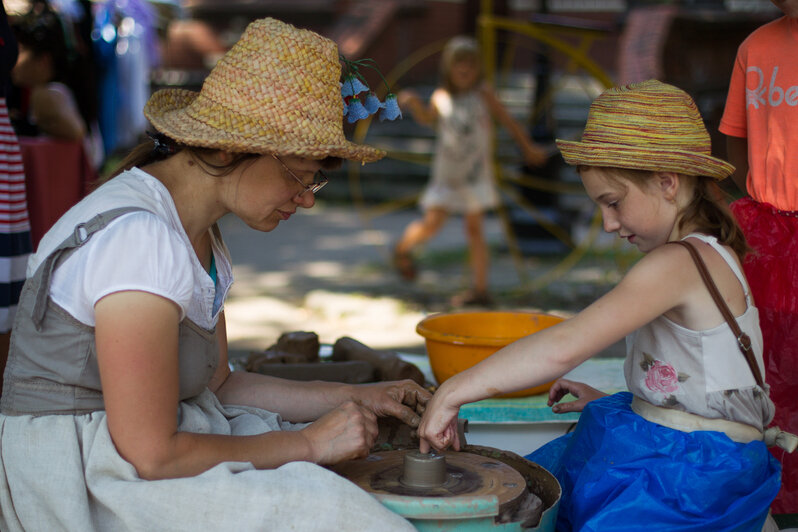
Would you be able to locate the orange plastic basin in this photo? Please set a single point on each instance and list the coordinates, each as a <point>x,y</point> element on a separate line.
<point>458,340</point>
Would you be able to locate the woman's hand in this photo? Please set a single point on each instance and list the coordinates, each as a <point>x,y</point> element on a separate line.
<point>346,433</point>
<point>404,400</point>
<point>583,393</point>
<point>438,428</point>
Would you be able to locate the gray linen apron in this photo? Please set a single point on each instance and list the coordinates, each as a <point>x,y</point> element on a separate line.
<point>52,363</point>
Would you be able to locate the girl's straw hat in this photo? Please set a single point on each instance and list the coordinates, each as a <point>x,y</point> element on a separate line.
<point>276,91</point>
<point>646,126</point>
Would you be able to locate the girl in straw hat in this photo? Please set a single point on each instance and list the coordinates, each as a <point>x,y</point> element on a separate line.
<point>683,449</point>
<point>117,391</point>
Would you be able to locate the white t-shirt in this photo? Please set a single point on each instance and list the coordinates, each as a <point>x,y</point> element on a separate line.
<point>147,251</point>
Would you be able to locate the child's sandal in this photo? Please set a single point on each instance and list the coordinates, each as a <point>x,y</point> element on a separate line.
<point>473,299</point>
<point>405,265</point>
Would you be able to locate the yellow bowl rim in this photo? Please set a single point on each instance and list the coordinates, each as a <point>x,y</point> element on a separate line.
<point>459,339</point>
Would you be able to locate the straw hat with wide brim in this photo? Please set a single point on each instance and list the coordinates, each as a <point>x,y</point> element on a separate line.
<point>646,126</point>
<point>276,91</point>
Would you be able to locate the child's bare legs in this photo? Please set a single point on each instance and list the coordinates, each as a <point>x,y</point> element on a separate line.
<point>418,232</point>
<point>478,253</point>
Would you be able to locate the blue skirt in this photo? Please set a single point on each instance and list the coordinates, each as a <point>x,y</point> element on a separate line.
<point>621,472</point>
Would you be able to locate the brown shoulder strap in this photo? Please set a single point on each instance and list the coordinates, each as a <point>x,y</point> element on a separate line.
<point>743,341</point>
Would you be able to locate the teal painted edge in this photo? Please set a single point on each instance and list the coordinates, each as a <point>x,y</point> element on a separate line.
<point>521,410</point>
<point>440,507</point>
<point>483,524</point>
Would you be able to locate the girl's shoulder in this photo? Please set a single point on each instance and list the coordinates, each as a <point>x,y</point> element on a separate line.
<point>660,266</point>
<point>672,263</point>
<point>669,272</point>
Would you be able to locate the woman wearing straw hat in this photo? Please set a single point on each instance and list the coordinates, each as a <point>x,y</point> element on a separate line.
<point>685,448</point>
<point>117,412</point>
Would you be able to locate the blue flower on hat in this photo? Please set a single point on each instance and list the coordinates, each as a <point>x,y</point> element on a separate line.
<point>372,103</point>
<point>352,86</point>
<point>390,109</point>
<point>360,107</point>
<point>356,111</point>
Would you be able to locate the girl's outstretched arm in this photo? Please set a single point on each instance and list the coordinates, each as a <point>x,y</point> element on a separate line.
<point>424,114</point>
<point>533,154</point>
<point>655,285</point>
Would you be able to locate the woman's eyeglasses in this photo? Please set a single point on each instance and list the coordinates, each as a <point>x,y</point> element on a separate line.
<point>319,179</point>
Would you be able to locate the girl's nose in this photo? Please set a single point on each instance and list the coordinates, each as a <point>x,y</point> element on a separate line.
<point>611,224</point>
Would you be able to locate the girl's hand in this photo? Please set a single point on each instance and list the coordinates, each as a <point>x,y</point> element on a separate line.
<point>404,400</point>
<point>533,154</point>
<point>408,97</point>
<point>580,390</point>
<point>424,114</point>
<point>346,433</point>
<point>438,428</point>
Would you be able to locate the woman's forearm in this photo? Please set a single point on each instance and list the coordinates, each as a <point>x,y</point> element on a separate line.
<point>188,454</point>
<point>296,401</point>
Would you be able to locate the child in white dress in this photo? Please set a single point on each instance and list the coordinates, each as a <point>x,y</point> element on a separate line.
<point>462,180</point>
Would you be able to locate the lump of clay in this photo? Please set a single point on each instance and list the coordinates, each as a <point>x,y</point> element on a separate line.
<point>387,364</point>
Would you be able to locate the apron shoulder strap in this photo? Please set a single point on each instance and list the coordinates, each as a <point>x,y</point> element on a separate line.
<point>82,233</point>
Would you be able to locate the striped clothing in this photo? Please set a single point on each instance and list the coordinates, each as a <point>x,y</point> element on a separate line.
<point>15,243</point>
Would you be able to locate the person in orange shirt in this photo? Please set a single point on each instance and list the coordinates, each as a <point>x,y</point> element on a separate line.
<point>761,124</point>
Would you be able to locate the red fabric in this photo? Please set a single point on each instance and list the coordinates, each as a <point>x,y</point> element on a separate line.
<point>772,272</point>
<point>57,175</point>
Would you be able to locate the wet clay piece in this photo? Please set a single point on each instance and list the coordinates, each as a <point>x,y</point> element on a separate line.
<point>423,470</point>
<point>387,364</point>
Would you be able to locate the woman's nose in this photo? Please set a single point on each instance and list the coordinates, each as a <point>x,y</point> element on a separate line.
<point>306,200</point>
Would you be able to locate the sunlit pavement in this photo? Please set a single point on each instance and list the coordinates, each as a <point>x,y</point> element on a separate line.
<point>328,270</point>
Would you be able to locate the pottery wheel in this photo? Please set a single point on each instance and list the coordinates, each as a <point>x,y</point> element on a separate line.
<point>467,474</point>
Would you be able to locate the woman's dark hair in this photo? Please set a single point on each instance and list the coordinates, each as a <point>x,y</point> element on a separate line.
<point>159,147</point>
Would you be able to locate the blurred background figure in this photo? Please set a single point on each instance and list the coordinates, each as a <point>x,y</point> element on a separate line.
<point>54,75</point>
<point>462,180</point>
<point>15,244</point>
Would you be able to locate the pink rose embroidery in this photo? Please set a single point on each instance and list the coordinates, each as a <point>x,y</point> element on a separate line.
<point>661,377</point>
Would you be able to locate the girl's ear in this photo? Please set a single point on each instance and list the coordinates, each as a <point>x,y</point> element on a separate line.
<point>668,183</point>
